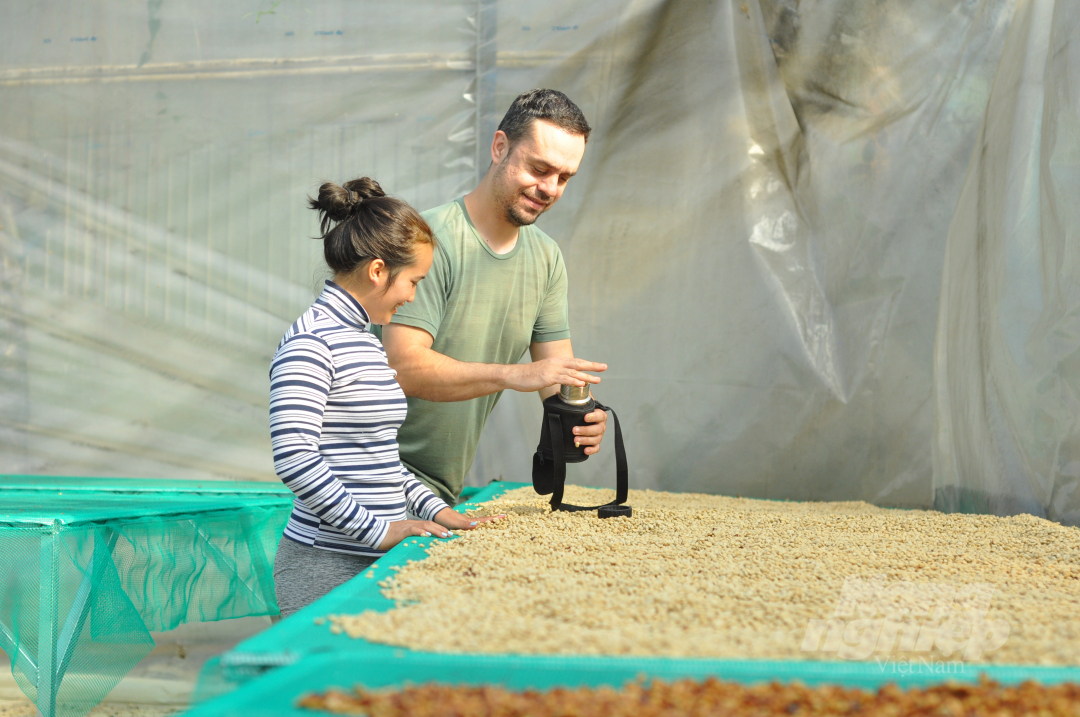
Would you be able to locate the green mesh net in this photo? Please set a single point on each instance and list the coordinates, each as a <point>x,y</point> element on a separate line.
<point>89,567</point>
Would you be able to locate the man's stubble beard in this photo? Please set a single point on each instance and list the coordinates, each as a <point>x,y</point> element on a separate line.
<point>518,219</point>
<point>508,201</point>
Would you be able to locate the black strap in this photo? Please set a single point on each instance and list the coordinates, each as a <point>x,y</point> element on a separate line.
<point>555,426</point>
<point>622,486</point>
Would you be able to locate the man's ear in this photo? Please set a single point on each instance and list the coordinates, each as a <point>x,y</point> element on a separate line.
<point>500,147</point>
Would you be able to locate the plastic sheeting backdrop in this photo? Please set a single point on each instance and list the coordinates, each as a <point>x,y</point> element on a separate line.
<point>90,567</point>
<point>829,249</point>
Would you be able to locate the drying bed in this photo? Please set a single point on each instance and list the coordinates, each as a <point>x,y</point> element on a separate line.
<point>693,575</point>
<point>346,661</point>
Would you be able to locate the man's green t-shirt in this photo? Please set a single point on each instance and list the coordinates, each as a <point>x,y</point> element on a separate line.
<point>480,307</point>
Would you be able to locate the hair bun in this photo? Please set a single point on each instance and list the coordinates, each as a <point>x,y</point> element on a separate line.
<point>363,189</point>
<point>337,203</point>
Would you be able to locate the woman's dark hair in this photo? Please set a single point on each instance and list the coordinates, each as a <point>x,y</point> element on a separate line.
<point>359,223</point>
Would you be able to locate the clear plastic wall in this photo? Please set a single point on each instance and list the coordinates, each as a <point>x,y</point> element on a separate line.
<point>828,248</point>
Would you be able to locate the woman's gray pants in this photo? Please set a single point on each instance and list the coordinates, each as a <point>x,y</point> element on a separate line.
<point>303,574</point>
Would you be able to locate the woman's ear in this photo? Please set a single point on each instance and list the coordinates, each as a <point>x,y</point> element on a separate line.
<point>376,272</point>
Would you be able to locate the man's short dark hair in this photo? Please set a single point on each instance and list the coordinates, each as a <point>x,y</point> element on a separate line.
<point>548,105</point>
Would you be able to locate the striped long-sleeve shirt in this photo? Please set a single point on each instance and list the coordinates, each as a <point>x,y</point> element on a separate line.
<point>335,410</point>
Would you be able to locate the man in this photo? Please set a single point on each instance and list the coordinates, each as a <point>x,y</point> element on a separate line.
<point>497,288</point>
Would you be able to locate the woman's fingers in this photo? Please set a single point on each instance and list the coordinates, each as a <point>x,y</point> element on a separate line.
<point>454,521</point>
<point>432,528</point>
<point>469,522</point>
<point>426,529</point>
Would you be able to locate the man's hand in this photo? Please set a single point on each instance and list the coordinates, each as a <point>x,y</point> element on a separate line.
<point>552,372</point>
<point>591,435</point>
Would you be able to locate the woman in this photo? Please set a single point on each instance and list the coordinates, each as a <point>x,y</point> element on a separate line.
<point>335,406</point>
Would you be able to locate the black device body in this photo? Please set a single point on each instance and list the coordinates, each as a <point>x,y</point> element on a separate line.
<point>557,448</point>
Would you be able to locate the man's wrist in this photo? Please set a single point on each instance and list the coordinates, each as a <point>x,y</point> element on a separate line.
<point>505,376</point>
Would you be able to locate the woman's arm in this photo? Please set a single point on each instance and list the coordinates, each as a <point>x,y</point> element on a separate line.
<point>422,502</point>
<point>419,499</point>
<point>300,379</point>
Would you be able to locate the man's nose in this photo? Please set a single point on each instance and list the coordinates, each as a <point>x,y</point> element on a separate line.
<point>549,186</point>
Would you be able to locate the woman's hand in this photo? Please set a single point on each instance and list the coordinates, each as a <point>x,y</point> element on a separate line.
<point>445,520</point>
<point>450,518</point>
<point>402,529</point>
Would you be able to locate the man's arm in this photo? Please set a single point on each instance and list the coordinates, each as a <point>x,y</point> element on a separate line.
<point>427,374</point>
<point>589,436</point>
<point>540,350</point>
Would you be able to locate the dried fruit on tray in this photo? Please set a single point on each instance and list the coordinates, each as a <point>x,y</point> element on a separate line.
<point>687,698</point>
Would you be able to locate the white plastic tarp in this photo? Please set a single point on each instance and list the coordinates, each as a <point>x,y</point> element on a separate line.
<point>828,248</point>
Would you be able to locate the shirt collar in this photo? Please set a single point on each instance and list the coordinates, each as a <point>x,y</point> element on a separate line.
<point>343,305</point>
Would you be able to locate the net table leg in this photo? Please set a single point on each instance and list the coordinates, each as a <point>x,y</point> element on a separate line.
<point>261,564</point>
<point>48,619</point>
<point>80,608</point>
<point>19,656</point>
